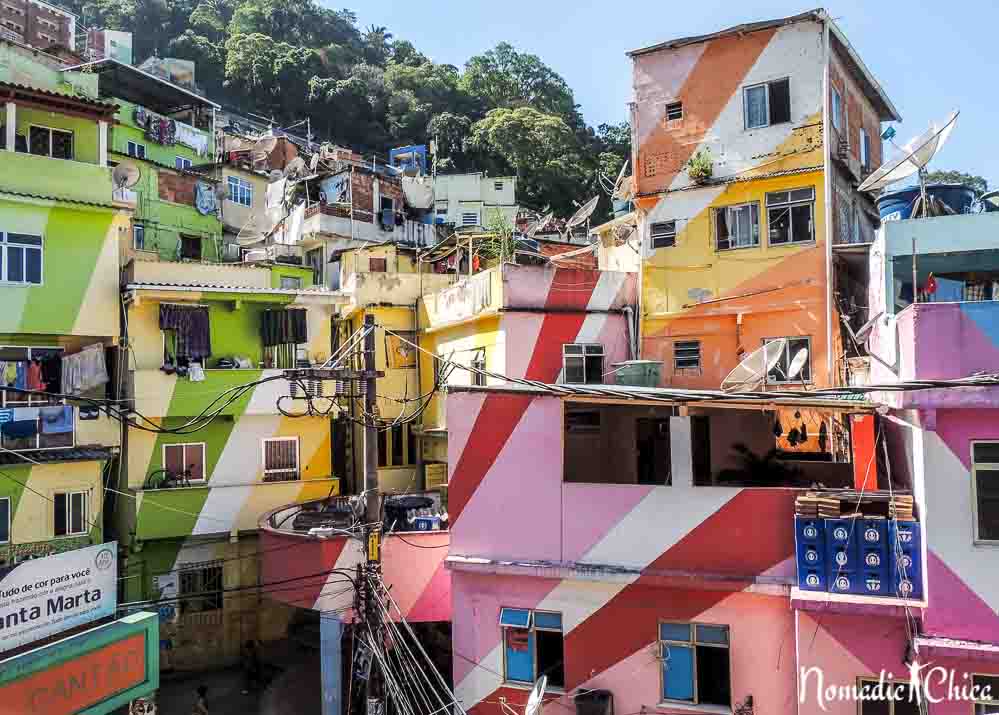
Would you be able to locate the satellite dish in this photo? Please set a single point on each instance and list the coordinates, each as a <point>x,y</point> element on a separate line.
<point>535,701</point>
<point>296,168</point>
<point>583,213</point>
<point>125,175</point>
<point>249,233</point>
<point>276,175</point>
<point>752,371</point>
<point>797,362</point>
<point>314,163</point>
<point>615,194</point>
<point>539,225</point>
<point>915,156</point>
<point>860,335</point>
<point>264,145</point>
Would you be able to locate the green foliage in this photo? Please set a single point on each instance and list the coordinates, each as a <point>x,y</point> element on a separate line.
<point>505,112</point>
<point>700,166</point>
<point>979,184</point>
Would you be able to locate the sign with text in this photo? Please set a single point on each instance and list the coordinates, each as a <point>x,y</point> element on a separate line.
<point>42,597</point>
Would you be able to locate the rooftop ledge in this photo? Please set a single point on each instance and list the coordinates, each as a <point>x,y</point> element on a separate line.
<point>854,604</point>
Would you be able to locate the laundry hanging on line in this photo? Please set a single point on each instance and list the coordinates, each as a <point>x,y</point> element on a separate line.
<point>84,370</point>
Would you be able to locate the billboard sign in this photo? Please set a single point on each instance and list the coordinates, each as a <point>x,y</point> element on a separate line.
<point>95,672</point>
<point>42,597</point>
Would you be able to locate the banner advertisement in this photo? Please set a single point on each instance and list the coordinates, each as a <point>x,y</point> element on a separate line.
<point>41,597</point>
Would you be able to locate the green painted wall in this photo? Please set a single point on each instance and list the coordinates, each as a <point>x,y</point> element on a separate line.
<point>279,269</point>
<point>85,138</point>
<point>10,488</point>
<point>125,130</point>
<point>55,178</point>
<point>19,66</point>
<point>164,221</point>
<point>156,557</point>
<point>73,257</point>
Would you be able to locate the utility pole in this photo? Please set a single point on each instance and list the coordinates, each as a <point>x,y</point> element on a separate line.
<point>372,513</point>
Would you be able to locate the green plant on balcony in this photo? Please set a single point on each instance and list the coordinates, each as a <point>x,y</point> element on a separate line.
<point>700,167</point>
<point>760,471</point>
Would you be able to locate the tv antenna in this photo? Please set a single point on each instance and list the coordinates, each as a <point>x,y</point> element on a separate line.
<point>125,175</point>
<point>618,192</point>
<point>915,156</point>
<point>581,215</point>
<point>754,368</point>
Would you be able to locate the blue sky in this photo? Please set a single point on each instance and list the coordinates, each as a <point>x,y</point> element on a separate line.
<point>930,57</point>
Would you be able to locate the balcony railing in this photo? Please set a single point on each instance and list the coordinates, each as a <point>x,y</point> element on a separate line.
<point>33,427</point>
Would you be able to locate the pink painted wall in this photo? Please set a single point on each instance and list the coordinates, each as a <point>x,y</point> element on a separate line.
<point>567,288</point>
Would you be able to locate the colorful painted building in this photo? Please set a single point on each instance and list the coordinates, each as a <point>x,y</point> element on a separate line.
<point>198,331</point>
<point>747,146</point>
<point>623,540</point>
<point>59,231</point>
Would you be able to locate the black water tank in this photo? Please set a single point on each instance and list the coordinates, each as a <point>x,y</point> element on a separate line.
<point>595,702</point>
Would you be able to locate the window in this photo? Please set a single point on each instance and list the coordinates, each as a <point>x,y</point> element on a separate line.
<point>280,459</point>
<point>469,218</point>
<point>240,191</point>
<point>663,234</point>
<point>532,646</point>
<point>200,589</point>
<point>986,694</point>
<point>442,210</point>
<point>47,38</point>
<point>14,9</point>
<point>737,226</point>
<point>5,520</point>
<point>137,150</point>
<point>865,150</point>
<point>55,143</point>
<point>70,513</point>
<point>695,664</point>
<point>182,163</point>
<point>767,103</point>
<point>20,258</point>
<point>396,446</point>
<point>674,111</point>
<point>16,358</point>
<point>837,109</point>
<point>687,355</point>
<point>291,283</point>
<point>377,265</point>
<point>139,237</point>
<point>498,185</point>
<point>190,247</point>
<point>479,363</point>
<point>178,458</point>
<point>985,483</point>
<point>781,370</point>
<point>583,364</point>
<point>790,216</point>
<point>893,698</point>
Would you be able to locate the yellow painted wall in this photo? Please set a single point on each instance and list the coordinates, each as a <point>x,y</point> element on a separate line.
<point>34,518</point>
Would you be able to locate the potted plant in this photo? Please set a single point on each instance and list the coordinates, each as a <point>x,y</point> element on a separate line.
<point>700,166</point>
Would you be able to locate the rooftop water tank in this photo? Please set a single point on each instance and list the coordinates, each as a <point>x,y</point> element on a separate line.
<point>897,205</point>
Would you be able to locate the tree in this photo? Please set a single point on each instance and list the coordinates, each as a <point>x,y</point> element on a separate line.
<point>979,184</point>
<point>504,77</point>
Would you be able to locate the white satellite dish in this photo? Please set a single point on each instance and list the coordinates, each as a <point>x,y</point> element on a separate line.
<point>539,225</point>
<point>797,363</point>
<point>752,371</point>
<point>863,332</point>
<point>276,175</point>
<point>249,233</point>
<point>914,158</point>
<point>583,213</point>
<point>615,194</point>
<point>535,701</point>
<point>125,175</point>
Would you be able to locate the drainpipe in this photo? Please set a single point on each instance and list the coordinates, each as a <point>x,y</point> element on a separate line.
<point>828,191</point>
<point>629,314</point>
<point>330,634</point>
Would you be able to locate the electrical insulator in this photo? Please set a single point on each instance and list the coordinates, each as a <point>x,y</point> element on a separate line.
<point>315,387</point>
<point>361,387</point>
<point>339,387</point>
<point>293,385</point>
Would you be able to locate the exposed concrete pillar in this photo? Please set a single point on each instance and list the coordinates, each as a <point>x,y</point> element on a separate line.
<point>330,634</point>
<point>102,143</point>
<point>11,125</point>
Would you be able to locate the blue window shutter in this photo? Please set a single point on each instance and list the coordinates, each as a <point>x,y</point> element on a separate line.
<point>519,646</point>
<point>515,617</point>
<point>678,672</point>
<point>548,620</point>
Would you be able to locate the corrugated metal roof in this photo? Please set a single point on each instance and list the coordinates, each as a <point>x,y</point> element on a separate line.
<point>225,288</point>
<point>62,199</point>
<point>54,456</point>
<point>106,107</point>
<point>741,178</point>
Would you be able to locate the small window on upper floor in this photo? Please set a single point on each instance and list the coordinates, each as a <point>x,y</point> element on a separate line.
<point>469,218</point>
<point>583,363</point>
<point>498,185</point>
<point>865,150</point>
<point>137,150</point>
<point>985,485</point>
<point>190,247</point>
<point>54,143</point>
<point>791,216</point>
<point>686,355</point>
<point>291,283</point>
<point>837,109</point>
<point>767,103</point>
<point>674,111</point>
<point>239,191</point>
<point>663,234</point>
<point>20,258</point>
<point>182,163</point>
<point>737,226</point>
<point>139,237</point>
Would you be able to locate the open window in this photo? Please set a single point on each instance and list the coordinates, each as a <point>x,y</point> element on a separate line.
<point>185,460</point>
<point>737,226</point>
<point>767,103</point>
<point>54,143</point>
<point>280,459</point>
<point>190,247</point>
<point>583,363</point>
<point>893,697</point>
<point>533,645</point>
<point>791,216</point>
<point>695,664</point>
<point>186,334</point>
<point>611,444</point>
<point>201,588</point>
<point>283,331</point>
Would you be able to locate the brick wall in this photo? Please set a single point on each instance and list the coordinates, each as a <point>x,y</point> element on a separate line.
<point>362,195</point>
<point>35,21</point>
<point>177,188</point>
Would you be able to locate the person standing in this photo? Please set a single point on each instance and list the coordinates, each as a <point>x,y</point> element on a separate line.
<point>201,704</point>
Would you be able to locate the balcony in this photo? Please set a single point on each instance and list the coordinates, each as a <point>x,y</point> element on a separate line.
<point>412,561</point>
<point>334,220</point>
<point>46,177</point>
<point>152,271</point>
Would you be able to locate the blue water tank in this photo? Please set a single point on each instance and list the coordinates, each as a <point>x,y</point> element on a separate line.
<point>897,205</point>
<point>810,553</point>
<point>906,538</point>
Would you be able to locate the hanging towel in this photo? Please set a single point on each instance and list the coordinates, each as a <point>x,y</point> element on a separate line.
<point>283,327</point>
<point>10,373</point>
<point>192,326</point>
<point>57,419</point>
<point>195,372</point>
<point>85,370</point>
<point>35,376</point>
<point>21,380</point>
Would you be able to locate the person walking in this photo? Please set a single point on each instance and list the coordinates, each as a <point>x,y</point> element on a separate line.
<point>201,704</point>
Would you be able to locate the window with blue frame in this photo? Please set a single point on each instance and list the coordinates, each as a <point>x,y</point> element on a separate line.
<point>532,646</point>
<point>695,663</point>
